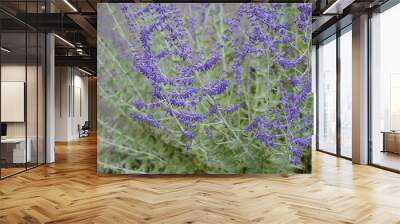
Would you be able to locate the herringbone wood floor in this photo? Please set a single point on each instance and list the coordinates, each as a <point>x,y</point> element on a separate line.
<point>70,191</point>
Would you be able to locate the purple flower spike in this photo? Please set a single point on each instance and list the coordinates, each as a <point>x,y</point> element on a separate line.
<point>184,94</point>
<point>139,104</point>
<point>296,156</point>
<point>294,81</point>
<point>146,119</point>
<point>209,63</point>
<point>188,134</point>
<point>177,102</point>
<point>208,133</point>
<point>258,122</point>
<point>213,109</point>
<point>232,108</point>
<point>216,87</point>
<point>185,117</point>
<point>188,147</point>
<point>286,63</point>
<point>305,141</point>
<point>263,138</point>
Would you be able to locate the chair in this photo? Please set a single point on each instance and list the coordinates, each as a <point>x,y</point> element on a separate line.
<point>84,130</point>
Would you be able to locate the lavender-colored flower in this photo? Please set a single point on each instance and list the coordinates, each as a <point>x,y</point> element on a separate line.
<point>187,147</point>
<point>232,108</point>
<point>306,90</point>
<point>192,25</point>
<point>208,132</point>
<point>177,102</point>
<point>294,80</point>
<point>303,20</point>
<point>154,105</point>
<point>216,87</point>
<point>184,94</point>
<point>128,17</point>
<point>302,141</point>
<point>263,138</point>
<point>209,63</point>
<point>146,119</point>
<point>258,122</point>
<point>162,54</point>
<point>157,91</point>
<point>213,109</point>
<point>148,69</point>
<point>286,63</point>
<point>278,126</point>
<point>185,117</point>
<point>296,156</point>
<point>237,71</point>
<point>291,112</point>
<point>139,104</point>
<point>188,134</point>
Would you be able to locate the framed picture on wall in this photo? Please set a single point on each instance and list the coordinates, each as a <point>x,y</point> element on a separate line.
<point>214,88</point>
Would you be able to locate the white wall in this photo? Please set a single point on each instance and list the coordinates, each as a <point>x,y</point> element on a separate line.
<point>62,81</point>
<point>17,73</point>
<point>9,73</point>
<point>81,89</point>
<point>71,102</point>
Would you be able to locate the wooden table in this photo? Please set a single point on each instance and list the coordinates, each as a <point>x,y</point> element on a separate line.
<point>391,141</point>
<point>13,150</point>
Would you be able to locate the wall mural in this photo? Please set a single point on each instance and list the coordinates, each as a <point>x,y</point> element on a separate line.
<point>217,88</point>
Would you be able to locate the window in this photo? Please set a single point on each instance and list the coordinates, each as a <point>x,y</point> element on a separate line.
<point>22,77</point>
<point>385,89</point>
<point>327,96</point>
<point>346,93</point>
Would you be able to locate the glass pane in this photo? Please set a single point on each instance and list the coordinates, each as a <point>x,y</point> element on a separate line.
<point>14,153</point>
<point>31,97</point>
<point>346,94</point>
<point>41,99</point>
<point>327,97</point>
<point>314,90</point>
<point>386,89</point>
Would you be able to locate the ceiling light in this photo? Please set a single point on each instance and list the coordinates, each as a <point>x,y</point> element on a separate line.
<point>5,50</point>
<point>70,5</point>
<point>65,41</point>
<point>84,71</point>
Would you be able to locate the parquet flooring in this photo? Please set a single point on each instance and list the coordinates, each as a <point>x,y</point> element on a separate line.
<point>70,191</point>
<point>10,171</point>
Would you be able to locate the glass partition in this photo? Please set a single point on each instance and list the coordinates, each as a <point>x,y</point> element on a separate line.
<point>385,89</point>
<point>346,93</point>
<point>31,99</point>
<point>41,96</point>
<point>14,153</point>
<point>22,77</point>
<point>327,96</point>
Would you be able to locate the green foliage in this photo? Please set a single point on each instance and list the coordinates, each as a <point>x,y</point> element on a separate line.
<point>127,146</point>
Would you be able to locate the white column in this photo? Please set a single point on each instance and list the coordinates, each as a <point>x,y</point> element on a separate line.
<point>50,110</point>
<point>314,91</point>
<point>50,93</point>
<point>360,90</point>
